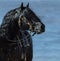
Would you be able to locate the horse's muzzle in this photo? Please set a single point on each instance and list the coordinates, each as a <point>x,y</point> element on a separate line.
<point>40,28</point>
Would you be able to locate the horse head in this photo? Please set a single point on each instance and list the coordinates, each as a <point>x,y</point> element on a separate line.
<point>28,20</point>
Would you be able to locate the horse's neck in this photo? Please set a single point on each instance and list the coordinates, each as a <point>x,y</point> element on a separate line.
<point>10,29</point>
<point>13,29</point>
<point>14,13</point>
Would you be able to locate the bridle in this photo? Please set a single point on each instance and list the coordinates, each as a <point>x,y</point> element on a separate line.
<point>22,18</point>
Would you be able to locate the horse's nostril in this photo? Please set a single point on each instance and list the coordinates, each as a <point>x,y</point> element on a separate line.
<point>42,27</point>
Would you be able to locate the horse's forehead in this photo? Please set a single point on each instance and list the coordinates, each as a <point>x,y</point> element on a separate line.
<point>27,10</point>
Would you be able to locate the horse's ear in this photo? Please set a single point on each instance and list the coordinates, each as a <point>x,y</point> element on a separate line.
<point>27,5</point>
<point>21,5</point>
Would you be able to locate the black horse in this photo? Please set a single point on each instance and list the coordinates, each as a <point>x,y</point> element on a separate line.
<point>15,40</point>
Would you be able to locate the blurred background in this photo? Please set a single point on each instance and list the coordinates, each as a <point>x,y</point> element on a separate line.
<point>46,46</point>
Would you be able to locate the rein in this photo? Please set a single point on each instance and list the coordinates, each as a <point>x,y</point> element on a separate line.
<point>18,40</point>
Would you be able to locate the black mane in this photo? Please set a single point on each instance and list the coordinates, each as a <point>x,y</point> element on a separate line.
<point>9,22</point>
